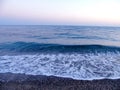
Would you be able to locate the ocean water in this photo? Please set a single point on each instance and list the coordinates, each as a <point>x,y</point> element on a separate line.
<point>79,52</point>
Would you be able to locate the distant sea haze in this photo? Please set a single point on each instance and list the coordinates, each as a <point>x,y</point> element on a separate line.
<point>79,52</point>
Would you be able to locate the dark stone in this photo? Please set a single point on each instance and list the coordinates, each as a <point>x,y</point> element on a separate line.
<point>9,81</point>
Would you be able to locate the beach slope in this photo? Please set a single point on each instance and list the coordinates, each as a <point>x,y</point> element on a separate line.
<point>9,81</point>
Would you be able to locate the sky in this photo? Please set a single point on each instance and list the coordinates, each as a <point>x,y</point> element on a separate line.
<point>60,12</point>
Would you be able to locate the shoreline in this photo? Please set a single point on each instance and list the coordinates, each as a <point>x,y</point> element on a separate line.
<point>10,81</point>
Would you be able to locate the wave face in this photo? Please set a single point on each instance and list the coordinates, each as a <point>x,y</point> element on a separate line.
<point>23,47</point>
<point>79,52</point>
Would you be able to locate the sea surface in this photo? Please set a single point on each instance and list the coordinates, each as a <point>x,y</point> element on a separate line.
<point>78,52</point>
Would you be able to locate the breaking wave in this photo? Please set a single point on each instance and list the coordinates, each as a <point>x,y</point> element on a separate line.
<point>74,61</point>
<point>51,48</point>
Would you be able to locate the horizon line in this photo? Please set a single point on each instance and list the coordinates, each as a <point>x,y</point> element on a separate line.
<point>61,25</point>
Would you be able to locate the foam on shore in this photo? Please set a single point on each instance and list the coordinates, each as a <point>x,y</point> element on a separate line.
<point>87,66</point>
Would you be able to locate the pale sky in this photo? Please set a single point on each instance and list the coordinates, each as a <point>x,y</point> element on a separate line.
<point>60,12</point>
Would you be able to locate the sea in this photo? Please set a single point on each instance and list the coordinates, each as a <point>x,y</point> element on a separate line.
<point>78,52</point>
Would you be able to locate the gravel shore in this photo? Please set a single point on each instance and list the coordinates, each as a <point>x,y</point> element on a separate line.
<point>9,81</point>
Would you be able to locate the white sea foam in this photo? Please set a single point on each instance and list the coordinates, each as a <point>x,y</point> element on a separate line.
<point>78,66</point>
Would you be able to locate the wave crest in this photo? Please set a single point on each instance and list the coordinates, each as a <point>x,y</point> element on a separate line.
<point>54,48</point>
